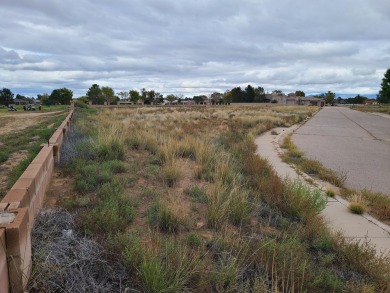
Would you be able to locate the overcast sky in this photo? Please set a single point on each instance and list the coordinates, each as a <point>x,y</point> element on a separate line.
<point>191,47</point>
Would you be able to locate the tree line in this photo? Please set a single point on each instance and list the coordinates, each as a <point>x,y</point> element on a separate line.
<point>250,94</point>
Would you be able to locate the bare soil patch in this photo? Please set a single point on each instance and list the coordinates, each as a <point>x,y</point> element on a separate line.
<point>12,122</point>
<point>13,160</point>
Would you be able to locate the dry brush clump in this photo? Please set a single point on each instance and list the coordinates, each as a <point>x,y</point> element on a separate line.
<point>205,214</point>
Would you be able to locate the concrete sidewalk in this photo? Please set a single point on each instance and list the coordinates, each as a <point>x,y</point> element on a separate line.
<point>359,227</point>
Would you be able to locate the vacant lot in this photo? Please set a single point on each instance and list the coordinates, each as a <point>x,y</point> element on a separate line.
<point>21,134</point>
<point>174,199</point>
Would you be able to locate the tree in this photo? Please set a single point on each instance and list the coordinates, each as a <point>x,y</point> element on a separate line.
<point>94,94</point>
<point>159,98</point>
<point>277,92</point>
<point>300,93</point>
<point>124,95</point>
<point>259,95</point>
<point>216,98</point>
<point>227,97</point>
<point>384,93</point>
<point>199,99</point>
<point>144,95</point>
<point>134,96</point>
<point>171,98</point>
<point>238,95</point>
<point>6,97</point>
<point>108,94</point>
<point>329,98</point>
<point>44,99</point>
<point>249,94</point>
<point>150,97</point>
<point>61,96</point>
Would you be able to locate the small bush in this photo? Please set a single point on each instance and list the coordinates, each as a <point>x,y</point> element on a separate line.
<point>91,176</point>
<point>301,200</point>
<point>356,208</point>
<point>273,132</point>
<point>171,173</point>
<point>330,193</point>
<point>196,193</point>
<point>112,213</point>
<point>113,150</point>
<point>193,239</point>
<point>115,166</point>
<point>163,219</point>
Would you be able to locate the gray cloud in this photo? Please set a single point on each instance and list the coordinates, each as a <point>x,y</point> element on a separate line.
<point>194,47</point>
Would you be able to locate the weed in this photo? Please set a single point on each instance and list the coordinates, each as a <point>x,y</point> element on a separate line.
<point>112,213</point>
<point>193,239</point>
<point>330,193</point>
<point>171,172</point>
<point>356,208</point>
<point>196,193</point>
<point>115,166</point>
<point>162,218</point>
<point>301,200</point>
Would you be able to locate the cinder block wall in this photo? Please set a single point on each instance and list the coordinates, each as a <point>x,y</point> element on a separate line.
<point>24,200</point>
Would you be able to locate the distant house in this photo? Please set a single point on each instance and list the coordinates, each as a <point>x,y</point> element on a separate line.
<point>21,102</point>
<point>292,99</point>
<point>369,101</point>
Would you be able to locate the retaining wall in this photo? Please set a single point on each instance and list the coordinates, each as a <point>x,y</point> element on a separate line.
<point>18,210</point>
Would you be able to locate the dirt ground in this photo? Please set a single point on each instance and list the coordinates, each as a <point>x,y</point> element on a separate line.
<point>16,121</point>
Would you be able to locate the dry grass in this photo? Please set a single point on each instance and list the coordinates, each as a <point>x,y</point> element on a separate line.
<point>209,215</point>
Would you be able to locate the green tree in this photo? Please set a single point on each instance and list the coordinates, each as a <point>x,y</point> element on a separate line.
<point>134,96</point>
<point>171,98</point>
<point>124,95</point>
<point>61,96</point>
<point>227,97</point>
<point>144,95</point>
<point>259,95</point>
<point>277,92</point>
<point>384,93</point>
<point>216,98</point>
<point>199,99</point>
<point>44,99</point>
<point>238,95</point>
<point>150,97</point>
<point>329,97</point>
<point>94,94</point>
<point>108,94</point>
<point>159,98</point>
<point>249,94</point>
<point>6,97</point>
<point>300,93</point>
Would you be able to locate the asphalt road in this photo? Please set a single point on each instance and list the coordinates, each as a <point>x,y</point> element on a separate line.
<point>349,141</point>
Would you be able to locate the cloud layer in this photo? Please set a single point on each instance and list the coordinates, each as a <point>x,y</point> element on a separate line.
<point>193,47</point>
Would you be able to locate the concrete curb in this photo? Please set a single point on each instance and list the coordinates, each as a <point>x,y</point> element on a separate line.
<point>338,218</point>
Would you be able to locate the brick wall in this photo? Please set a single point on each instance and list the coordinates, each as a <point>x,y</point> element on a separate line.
<point>23,202</point>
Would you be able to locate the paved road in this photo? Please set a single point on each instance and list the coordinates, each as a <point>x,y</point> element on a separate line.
<point>350,141</point>
<point>336,214</point>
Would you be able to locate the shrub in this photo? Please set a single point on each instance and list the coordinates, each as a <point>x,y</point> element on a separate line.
<point>301,200</point>
<point>171,173</point>
<point>196,193</point>
<point>193,239</point>
<point>356,208</point>
<point>115,166</point>
<point>113,150</point>
<point>330,193</point>
<point>112,213</point>
<point>163,219</point>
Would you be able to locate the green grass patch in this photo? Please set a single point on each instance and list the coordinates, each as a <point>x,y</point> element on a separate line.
<point>196,193</point>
